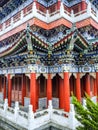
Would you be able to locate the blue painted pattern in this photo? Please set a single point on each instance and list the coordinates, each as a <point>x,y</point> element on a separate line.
<point>9,7</point>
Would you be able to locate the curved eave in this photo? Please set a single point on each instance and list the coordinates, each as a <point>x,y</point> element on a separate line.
<point>39,40</point>
<point>80,43</point>
<point>85,43</point>
<point>16,45</point>
<point>79,49</point>
<point>13,48</point>
<point>63,40</point>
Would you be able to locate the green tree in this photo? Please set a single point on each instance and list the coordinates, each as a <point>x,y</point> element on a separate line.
<point>87,116</point>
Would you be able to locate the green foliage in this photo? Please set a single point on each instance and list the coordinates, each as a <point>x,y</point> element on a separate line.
<point>88,116</point>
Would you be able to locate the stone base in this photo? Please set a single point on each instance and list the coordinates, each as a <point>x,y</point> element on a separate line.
<point>52,126</point>
<point>8,125</point>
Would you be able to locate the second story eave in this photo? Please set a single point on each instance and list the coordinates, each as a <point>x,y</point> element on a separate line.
<point>37,50</point>
<point>72,50</point>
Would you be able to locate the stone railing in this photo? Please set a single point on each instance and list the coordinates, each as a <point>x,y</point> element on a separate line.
<point>80,13</point>
<point>31,121</point>
<point>54,13</point>
<point>21,7</point>
<point>47,17</point>
<point>14,114</point>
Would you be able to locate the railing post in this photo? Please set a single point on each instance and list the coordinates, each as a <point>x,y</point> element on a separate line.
<point>16,110</point>
<point>12,21</point>
<point>50,107</point>
<point>31,123</point>
<point>89,8</point>
<point>72,15</point>
<point>21,14</point>
<point>3,26</point>
<point>34,10</point>
<point>47,15</point>
<point>72,117</point>
<point>61,9</point>
<point>97,13</point>
<point>5,106</point>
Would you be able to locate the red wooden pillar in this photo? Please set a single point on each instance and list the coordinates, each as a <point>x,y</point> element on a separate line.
<point>71,85</point>
<point>18,78</point>
<point>92,82</point>
<point>61,94</point>
<point>33,90</point>
<point>49,88</point>
<point>95,88</point>
<point>97,84</point>
<point>4,85</point>
<point>66,92</point>
<point>83,5</point>
<point>37,93</point>
<point>9,89</point>
<point>87,84</point>
<point>57,85</point>
<point>23,88</point>
<point>78,87</point>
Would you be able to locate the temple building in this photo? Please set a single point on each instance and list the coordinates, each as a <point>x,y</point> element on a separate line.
<point>48,50</point>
